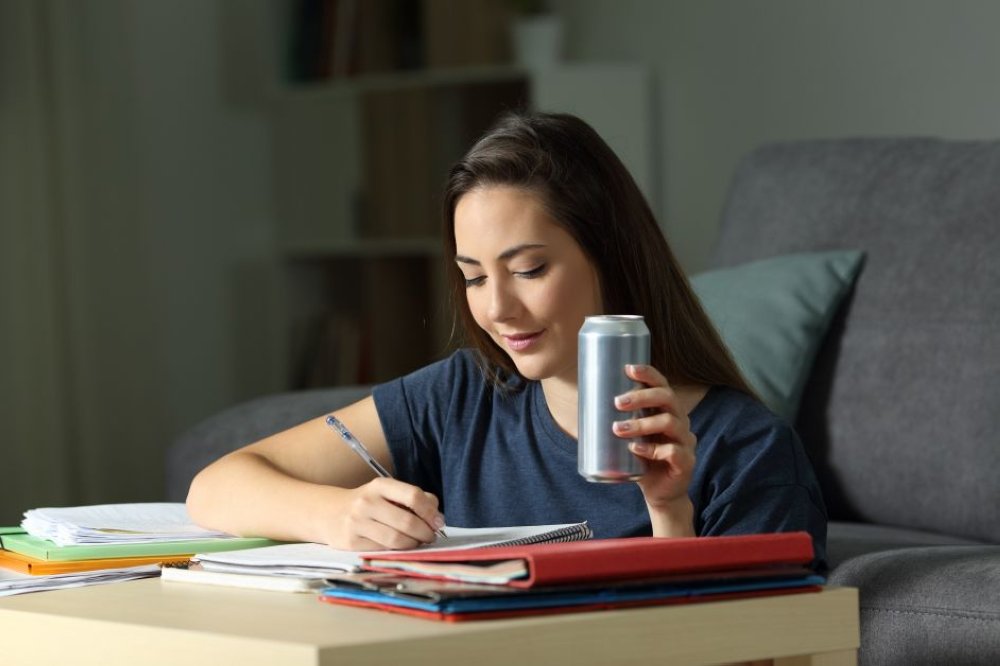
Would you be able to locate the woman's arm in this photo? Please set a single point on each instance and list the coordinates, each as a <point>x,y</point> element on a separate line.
<point>305,484</point>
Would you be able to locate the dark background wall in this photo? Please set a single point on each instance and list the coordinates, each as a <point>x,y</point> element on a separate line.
<point>141,283</point>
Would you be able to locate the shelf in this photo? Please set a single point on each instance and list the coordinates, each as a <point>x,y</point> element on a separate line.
<point>402,247</point>
<point>404,80</point>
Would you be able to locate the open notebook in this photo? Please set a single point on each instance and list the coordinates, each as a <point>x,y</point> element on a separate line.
<point>312,560</point>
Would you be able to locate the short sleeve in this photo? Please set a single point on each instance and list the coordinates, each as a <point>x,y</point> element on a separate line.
<point>756,479</point>
<point>413,412</point>
<point>786,508</point>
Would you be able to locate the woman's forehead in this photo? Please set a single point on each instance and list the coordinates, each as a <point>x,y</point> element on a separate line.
<point>488,218</point>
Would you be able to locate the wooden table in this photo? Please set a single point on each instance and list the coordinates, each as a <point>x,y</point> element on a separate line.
<point>155,622</point>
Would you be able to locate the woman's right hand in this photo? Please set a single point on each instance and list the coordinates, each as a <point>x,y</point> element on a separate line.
<point>383,514</point>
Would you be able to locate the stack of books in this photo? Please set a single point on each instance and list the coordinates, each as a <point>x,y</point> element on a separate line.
<point>73,546</point>
<point>509,581</point>
<point>308,567</point>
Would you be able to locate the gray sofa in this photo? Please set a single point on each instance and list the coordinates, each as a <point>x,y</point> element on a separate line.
<point>901,413</point>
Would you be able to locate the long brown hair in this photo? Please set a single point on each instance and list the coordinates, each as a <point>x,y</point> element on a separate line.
<point>590,193</point>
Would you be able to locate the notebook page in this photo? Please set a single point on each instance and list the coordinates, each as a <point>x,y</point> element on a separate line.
<point>114,523</point>
<point>321,557</point>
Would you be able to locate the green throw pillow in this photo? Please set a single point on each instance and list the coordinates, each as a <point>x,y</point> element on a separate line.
<point>773,314</point>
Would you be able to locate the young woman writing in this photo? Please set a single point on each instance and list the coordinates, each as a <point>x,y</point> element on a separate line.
<point>543,226</point>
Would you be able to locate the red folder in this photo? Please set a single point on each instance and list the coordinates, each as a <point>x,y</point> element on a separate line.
<point>621,559</point>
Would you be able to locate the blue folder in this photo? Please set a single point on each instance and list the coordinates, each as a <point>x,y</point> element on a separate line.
<point>492,600</point>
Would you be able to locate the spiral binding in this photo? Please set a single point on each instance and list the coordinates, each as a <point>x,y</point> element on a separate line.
<point>580,532</point>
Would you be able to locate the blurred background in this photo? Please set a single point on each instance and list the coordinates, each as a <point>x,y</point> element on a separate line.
<point>203,201</point>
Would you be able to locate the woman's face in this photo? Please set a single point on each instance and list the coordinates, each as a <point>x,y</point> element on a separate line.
<point>528,284</point>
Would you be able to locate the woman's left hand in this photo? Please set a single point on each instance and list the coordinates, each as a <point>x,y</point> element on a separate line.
<point>666,446</point>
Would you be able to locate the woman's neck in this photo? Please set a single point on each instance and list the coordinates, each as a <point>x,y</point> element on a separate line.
<point>561,397</point>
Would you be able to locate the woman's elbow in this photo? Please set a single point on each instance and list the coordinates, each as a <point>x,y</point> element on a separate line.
<point>196,502</point>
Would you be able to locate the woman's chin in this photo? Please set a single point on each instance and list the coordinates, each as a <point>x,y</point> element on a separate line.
<point>531,371</point>
<point>539,371</point>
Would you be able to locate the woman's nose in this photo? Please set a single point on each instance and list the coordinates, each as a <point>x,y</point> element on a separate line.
<point>502,303</point>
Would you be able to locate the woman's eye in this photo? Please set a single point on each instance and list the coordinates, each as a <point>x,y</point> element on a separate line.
<point>474,282</point>
<point>533,273</point>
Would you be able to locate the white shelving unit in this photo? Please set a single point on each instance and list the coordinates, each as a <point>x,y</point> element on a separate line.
<point>359,167</point>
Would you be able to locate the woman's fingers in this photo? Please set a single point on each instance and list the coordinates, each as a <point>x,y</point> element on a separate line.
<point>675,454</point>
<point>662,426</point>
<point>396,515</point>
<point>656,394</point>
<point>658,397</point>
<point>394,532</point>
<point>646,374</point>
<point>364,543</point>
<point>661,435</point>
<point>423,504</point>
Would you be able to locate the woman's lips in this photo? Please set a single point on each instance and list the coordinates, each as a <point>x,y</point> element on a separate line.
<point>521,341</point>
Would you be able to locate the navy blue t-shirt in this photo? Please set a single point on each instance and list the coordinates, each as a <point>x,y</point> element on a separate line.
<point>498,458</point>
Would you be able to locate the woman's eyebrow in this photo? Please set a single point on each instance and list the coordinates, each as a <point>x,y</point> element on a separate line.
<point>503,256</point>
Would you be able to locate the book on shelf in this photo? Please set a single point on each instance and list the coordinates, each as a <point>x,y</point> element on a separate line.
<point>467,33</point>
<point>337,39</point>
<point>333,351</point>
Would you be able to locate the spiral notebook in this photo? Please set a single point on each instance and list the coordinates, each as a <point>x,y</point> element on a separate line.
<point>317,560</point>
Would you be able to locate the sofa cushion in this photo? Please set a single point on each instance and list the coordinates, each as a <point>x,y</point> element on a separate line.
<point>773,314</point>
<point>932,605</point>
<point>845,541</point>
<point>245,423</point>
<point>901,414</point>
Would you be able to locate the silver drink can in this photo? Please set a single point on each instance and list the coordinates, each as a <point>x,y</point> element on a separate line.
<point>606,345</point>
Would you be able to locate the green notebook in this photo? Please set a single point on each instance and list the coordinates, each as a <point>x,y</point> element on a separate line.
<point>25,544</point>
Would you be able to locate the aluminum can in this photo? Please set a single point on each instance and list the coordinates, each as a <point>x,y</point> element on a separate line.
<point>606,345</point>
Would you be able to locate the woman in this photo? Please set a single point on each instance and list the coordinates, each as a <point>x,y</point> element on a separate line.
<point>543,227</point>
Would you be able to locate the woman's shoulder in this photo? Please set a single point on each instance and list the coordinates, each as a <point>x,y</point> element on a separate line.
<point>462,371</point>
<point>736,433</point>
<point>726,410</point>
<point>460,361</point>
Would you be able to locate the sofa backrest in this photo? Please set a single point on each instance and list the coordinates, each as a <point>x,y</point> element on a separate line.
<point>901,414</point>
<point>244,424</point>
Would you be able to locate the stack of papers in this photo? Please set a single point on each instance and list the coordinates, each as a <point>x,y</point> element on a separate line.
<point>18,583</point>
<point>319,561</point>
<point>305,560</point>
<point>115,523</point>
<point>88,545</point>
<point>301,567</point>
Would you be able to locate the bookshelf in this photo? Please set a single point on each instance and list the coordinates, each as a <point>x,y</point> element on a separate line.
<point>358,172</point>
<point>359,165</point>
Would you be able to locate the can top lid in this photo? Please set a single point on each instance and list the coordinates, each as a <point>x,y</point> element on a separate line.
<point>620,317</point>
